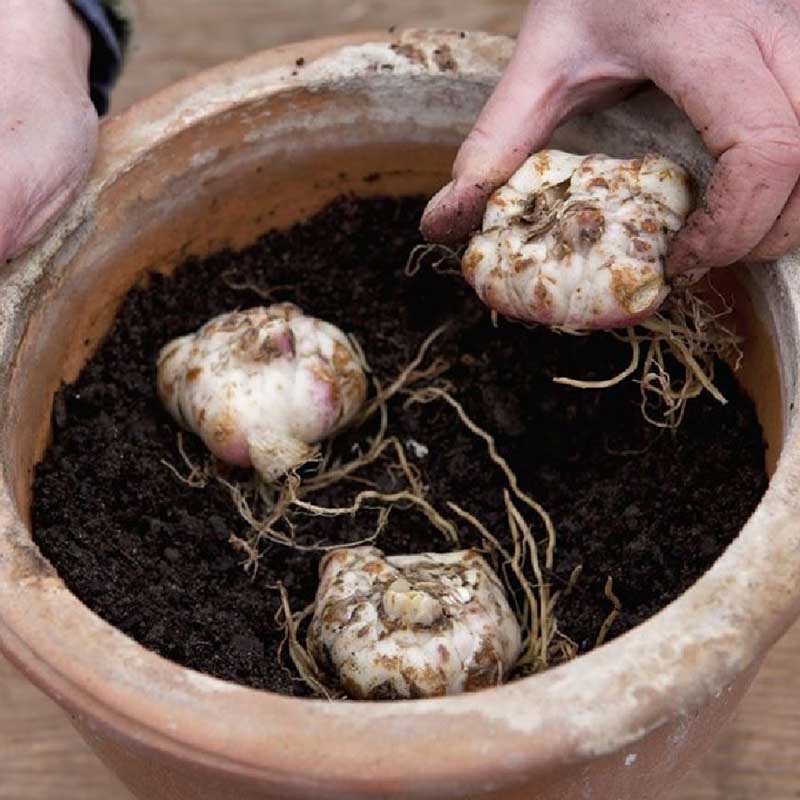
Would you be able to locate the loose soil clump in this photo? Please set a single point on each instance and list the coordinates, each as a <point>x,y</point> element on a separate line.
<point>640,511</point>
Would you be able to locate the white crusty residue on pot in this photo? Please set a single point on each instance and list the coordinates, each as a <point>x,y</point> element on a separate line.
<point>411,626</point>
<point>579,241</point>
<point>262,387</point>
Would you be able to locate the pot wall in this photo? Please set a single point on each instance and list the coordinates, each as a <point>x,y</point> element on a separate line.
<point>647,770</point>
<point>213,162</point>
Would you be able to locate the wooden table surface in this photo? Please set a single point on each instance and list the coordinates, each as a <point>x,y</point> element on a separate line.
<point>41,757</point>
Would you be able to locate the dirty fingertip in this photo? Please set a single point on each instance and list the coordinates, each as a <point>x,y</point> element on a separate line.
<point>452,214</point>
<point>434,216</point>
<point>684,263</point>
<point>679,280</point>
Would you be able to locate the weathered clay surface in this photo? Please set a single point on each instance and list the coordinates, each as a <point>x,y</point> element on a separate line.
<point>179,175</point>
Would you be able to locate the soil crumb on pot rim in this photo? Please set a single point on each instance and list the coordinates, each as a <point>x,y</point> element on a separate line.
<point>649,509</point>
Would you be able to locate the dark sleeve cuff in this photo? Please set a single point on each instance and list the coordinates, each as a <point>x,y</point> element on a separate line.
<point>109,33</point>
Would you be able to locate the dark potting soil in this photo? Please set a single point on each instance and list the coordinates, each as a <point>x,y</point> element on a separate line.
<point>152,556</point>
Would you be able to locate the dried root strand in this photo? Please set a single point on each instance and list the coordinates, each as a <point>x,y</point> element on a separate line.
<point>246,498</point>
<point>253,497</point>
<point>276,504</point>
<point>248,286</point>
<point>543,643</point>
<point>431,393</point>
<point>535,644</point>
<point>407,376</point>
<point>574,577</point>
<point>437,520</point>
<point>198,476</point>
<point>693,333</point>
<point>360,354</point>
<point>615,611</point>
<point>492,543</point>
<point>303,661</point>
<point>618,378</point>
<point>249,550</point>
<point>328,474</point>
<point>448,261</point>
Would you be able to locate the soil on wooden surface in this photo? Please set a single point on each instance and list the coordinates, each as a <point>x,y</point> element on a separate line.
<point>152,556</point>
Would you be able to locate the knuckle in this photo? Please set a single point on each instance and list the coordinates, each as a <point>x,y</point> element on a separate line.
<point>775,245</point>
<point>778,148</point>
<point>474,152</point>
<point>485,160</point>
<point>481,137</point>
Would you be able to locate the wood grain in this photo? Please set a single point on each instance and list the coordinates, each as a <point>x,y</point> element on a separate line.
<point>41,757</point>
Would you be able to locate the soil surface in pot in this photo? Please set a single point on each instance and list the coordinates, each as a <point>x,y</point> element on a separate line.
<point>151,555</point>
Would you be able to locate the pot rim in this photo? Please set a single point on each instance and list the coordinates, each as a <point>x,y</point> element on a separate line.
<point>606,699</point>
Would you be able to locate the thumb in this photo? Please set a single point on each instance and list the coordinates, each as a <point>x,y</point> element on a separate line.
<point>525,107</point>
<point>559,67</point>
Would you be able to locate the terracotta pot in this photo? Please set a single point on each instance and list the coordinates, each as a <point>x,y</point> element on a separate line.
<point>265,141</point>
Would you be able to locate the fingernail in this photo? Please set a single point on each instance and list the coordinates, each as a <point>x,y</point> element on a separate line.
<point>687,278</point>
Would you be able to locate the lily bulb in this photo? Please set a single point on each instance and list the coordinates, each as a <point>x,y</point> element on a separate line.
<point>578,242</point>
<point>262,387</point>
<point>411,626</point>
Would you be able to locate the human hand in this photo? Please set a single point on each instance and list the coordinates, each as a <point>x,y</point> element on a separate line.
<point>731,65</point>
<point>48,125</point>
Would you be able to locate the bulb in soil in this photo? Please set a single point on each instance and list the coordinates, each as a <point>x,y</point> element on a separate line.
<point>411,626</point>
<point>578,242</point>
<point>262,387</point>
